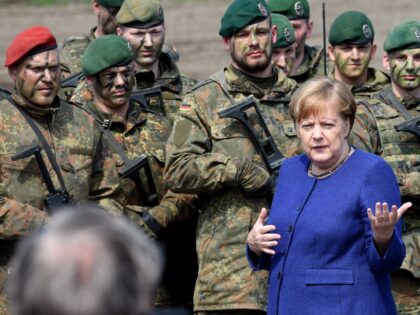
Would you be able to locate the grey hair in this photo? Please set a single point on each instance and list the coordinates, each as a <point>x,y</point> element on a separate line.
<point>85,262</point>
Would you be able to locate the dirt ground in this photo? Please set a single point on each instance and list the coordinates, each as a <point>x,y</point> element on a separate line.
<point>192,26</point>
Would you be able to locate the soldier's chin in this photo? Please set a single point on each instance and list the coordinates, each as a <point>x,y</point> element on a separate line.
<point>43,101</point>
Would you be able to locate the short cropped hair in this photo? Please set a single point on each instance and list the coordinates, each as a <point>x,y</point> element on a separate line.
<point>314,95</point>
<point>85,262</point>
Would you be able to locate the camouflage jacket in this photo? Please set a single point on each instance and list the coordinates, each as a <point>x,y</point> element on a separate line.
<point>84,159</point>
<point>146,132</point>
<point>71,53</point>
<point>173,84</point>
<point>375,82</point>
<point>312,65</point>
<point>199,148</point>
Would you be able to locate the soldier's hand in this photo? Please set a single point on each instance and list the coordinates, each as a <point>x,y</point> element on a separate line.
<point>253,178</point>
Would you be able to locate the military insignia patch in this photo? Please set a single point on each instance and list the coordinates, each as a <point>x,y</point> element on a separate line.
<point>417,33</point>
<point>367,31</point>
<point>160,12</point>
<point>262,9</point>
<point>288,35</point>
<point>299,8</point>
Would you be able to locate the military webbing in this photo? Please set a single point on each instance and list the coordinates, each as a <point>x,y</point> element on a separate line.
<point>41,138</point>
<point>398,106</point>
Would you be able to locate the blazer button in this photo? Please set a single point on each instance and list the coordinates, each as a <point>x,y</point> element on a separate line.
<point>279,275</point>
<point>290,229</point>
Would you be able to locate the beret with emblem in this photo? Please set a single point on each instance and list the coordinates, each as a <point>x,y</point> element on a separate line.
<point>292,9</point>
<point>29,42</point>
<point>140,13</point>
<point>285,31</point>
<point>404,36</point>
<point>105,52</point>
<point>351,27</point>
<point>242,13</point>
<point>110,3</point>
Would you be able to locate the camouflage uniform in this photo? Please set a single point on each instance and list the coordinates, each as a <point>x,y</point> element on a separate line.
<point>85,163</point>
<point>145,132</point>
<point>312,65</point>
<point>71,53</point>
<point>376,81</point>
<point>174,87</point>
<point>199,148</point>
<point>402,151</point>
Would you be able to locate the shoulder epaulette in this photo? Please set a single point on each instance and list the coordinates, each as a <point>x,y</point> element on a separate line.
<point>201,83</point>
<point>74,39</point>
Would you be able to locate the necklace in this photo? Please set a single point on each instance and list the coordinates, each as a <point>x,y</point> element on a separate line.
<point>334,169</point>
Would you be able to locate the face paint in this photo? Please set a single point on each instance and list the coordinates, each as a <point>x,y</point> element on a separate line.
<point>107,19</point>
<point>147,44</point>
<point>251,47</point>
<point>284,58</point>
<point>37,78</point>
<point>405,68</point>
<point>113,86</point>
<point>352,61</point>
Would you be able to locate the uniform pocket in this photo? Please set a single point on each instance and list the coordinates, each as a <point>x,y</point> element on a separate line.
<point>328,276</point>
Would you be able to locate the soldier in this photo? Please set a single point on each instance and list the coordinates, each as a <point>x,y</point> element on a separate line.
<point>351,49</point>
<point>141,22</point>
<point>215,157</point>
<point>397,104</point>
<point>109,72</point>
<point>284,49</point>
<point>77,160</point>
<point>73,47</point>
<point>309,61</point>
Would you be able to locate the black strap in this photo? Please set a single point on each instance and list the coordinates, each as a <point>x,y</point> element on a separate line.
<point>41,138</point>
<point>398,106</point>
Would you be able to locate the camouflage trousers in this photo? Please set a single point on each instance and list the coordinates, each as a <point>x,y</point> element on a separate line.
<point>406,281</point>
<point>4,272</point>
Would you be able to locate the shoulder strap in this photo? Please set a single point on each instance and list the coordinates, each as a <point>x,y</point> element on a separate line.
<point>398,106</point>
<point>220,79</point>
<point>46,146</point>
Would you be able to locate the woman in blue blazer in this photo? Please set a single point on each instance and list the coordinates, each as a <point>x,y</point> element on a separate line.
<point>326,250</point>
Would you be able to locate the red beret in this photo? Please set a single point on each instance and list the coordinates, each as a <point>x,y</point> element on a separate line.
<point>28,42</point>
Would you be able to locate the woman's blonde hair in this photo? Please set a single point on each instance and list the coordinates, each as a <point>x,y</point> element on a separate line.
<point>315,94</point>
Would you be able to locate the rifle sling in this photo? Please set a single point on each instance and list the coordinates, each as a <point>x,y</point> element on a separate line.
<point>398,106</point>
<point>41,138</point>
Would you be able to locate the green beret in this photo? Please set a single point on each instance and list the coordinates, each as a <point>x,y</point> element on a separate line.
<point>292,9</point>
<point>140,13</point>
<point>351,27</point>
<point>285,31</point>
<point>105,52</point>
<point>403,36</point>
<point>242,13</point>
<point>110,3</point>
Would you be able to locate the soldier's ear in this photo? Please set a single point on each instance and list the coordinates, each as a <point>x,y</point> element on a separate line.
<point>226,42</point>
<point>373,51</point>
<point>90,80</point>
<point>274,33</point>
<point>331,52</point>
<point>12,72</point>
<point>385,62</point>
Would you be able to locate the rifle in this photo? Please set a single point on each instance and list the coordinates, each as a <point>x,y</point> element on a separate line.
<point>143,97</point>
<point>55,199</point>
<point>267,148</point>
<point>71,81</point>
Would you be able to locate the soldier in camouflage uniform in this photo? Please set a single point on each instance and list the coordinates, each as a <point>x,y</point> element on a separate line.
<point>82,156</point>
<point>284,49</point>
<point>397,103</point>
<point>109,70</point>
<point>215,158</point>
<point>141,22</point>
<point>309,61</point>
<point>73,47</point>
<point>351,49</point>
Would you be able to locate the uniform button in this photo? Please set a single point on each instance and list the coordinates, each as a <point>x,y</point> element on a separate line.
<point>290,229</point>
<point>279,275</point>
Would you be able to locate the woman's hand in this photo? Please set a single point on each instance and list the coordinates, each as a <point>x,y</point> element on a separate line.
<point>260,239</point>
<point>383,222</point>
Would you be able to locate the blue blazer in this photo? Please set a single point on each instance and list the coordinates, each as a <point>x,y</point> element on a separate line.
<point>326,261</point>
